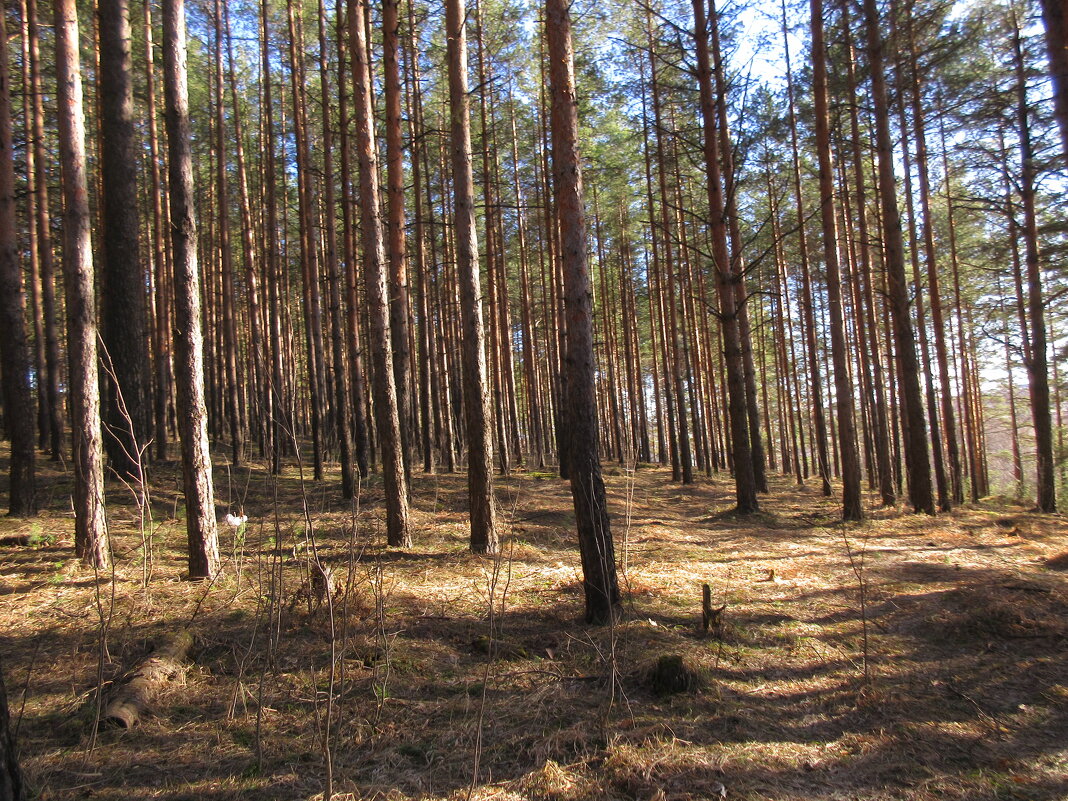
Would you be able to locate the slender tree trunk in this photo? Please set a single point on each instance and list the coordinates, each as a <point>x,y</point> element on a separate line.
<point>425,331</point>
<point>90,528</point>
<point>280,419</point>
<point>333,272</point>
<point>163,374</point>
<point>587,488</point>
<point>949,423</point>
<point>309,242</point>
<point>396,247</point>
<point>1055,20</point>
<point>530,366</point>
<point>1037,369</point>
<point>880,428</point>
<point>14,350</point>
<point>234,410</point>
<point>852,508</point>
<point>915,429</point>
<point>360,428</point>
<point>36,310</point>
<point>744,478</point>
<point>248,252</point>
<point>737,262</point>
<point>11,784</point>
<point>122,279</point>
<point>188,337</point>
<point>476,401</point>
<point>43,224</point>
<point>808,323</point>
<point>398,531</point>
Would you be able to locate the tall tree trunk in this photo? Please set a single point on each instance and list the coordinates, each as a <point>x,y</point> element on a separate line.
<point>188,336</point>
<point>14,349</point>
<point>11,784</point>
<point>914,425</point>
<point>744,478</point>
<point>280,419</point>
<point>477,412</point>
<point>1037,369</point>
<point>251,263</point>
<point>360,429</point>
<point>122,278</point>
<point>852,508</point>
<point>949,423</point>
<point>880,427</point>
<point>587,488</point>
<point>1055,20</point>
<point>737,261</point>
<point>309,242</point>
<point>234,410</point>
<point>530,366</point>
<point>425,331</point>
<point>39,363</point>
<point>90,528</point>
<point>808,323</point>
<point>398,532</point>
<point>333,272</point>
<point>43,224</point>
<point>396,247</point>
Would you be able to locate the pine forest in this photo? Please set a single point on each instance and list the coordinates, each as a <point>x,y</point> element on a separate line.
<point>493,399</point>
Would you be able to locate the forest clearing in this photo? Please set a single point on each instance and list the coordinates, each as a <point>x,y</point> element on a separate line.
<point>932,666</point>
<point>328,330</point>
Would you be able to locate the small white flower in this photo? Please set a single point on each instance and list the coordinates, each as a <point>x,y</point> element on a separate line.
<point>236,521</point>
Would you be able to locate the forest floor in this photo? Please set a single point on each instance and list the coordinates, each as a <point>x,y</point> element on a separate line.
<point>902,658</point>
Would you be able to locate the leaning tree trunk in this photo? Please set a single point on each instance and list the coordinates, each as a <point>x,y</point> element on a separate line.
<point>385,390</point>
<point>188,338</point>
<point>476,401</point>
<point>83,388</point>
<point>587,487</point>
<point>14,350</point>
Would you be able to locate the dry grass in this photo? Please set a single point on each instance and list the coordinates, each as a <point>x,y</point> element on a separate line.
<point>967,695</point>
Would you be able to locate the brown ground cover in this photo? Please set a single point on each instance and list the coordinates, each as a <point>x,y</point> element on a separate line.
<point>903,658</point>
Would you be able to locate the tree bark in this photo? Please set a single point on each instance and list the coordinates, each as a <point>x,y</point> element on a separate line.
<point>44,240</point>
<point>14,350</point>
<point>915,428</point>
<point>398,531</point>
<point>478,416</point>
<point>744,478</point>
<point>852,508</point>
<point>1055,20</point>
<point>122,278</point>
<point>11,785</point>
<point>1037,366</point>
<point>587,488</point>
<point>808,324</point>
<point>333,272</point>
<point>201,527</point>
<point>89,526</point>
<point>396,245</point>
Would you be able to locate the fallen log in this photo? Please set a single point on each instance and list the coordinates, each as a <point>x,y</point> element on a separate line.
<point>142,684</point>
